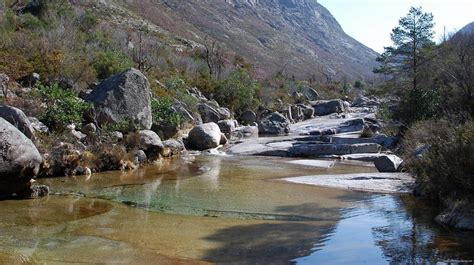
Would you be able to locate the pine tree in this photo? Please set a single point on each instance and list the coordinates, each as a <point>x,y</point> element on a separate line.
<point>411,39</point>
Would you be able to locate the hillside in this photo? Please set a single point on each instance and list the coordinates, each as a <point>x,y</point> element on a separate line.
<point>468,29</point>
<point>299,37</point>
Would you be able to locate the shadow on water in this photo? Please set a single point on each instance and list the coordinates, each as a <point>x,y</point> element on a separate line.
<point>276,242</point>
<point>271,243</point>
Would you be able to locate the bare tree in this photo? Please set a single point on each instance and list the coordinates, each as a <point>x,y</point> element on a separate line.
<point>214,56</point>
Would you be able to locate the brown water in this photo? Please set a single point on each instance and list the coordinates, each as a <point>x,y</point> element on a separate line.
<point>221,210</point>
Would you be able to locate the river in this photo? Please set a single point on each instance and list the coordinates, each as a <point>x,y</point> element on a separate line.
<point>222,209</point>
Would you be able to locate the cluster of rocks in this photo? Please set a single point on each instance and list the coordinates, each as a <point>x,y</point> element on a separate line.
<point>126,97</point>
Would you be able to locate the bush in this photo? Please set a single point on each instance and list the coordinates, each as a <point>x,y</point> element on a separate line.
<point>63,107</point>
<point>418,104</point>
<point>446,169</point>
<point>163,112</point>
<point>107,63</point>
<point>238,92</point>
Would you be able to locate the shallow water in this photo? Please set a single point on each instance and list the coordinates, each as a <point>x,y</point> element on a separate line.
<point>221,210</point>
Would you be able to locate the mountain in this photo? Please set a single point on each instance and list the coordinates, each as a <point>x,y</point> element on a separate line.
<point>468,29</point>
<point>298,37</point>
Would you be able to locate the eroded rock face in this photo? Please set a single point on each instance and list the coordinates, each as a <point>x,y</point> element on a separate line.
<point>17,118</point>
<point>275,124</point>
<point>124,96</point>
<point>205,136</point>
<point>326,107</point>
<point>19,160</point>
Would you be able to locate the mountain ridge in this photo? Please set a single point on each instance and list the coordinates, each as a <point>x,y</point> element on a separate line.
<point>299,37</point>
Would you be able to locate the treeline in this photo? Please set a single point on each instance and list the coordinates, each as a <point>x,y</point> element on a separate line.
<point>435,83</point>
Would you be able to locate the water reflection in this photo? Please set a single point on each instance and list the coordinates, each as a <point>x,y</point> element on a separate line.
<point>224,210</point>
<point>400,237</point>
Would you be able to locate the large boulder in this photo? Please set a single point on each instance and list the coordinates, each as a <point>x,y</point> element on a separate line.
<point>205,136</point>
<point>326,107</point>
<point>151,143</point>
<point>275,124</point>
<point>18,118</point>
<point>248,117</point>
<point>19,160</point>
<point>124,96</point>
<point>388,163</point>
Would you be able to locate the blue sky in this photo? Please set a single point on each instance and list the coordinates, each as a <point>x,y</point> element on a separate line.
<point>371,21</point>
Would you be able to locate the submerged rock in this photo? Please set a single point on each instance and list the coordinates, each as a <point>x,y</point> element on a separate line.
<point>123,97</point>
<point>205,136</point>
<point>19,160</point>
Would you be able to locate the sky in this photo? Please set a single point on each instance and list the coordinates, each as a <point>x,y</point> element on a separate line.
<point>372,21</point>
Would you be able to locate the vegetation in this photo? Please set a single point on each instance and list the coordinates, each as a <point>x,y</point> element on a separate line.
<point>434,83</point>
<point>163,112</point>
<point>238,91</point>
<point>446,169</point>
<point>63,107</point>
<point>412,40</point>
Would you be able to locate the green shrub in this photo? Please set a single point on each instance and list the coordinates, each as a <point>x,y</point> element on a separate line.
<point>62,107</point>
<point>162,112</point>
<point>446,170</point>
<point>109,62</point>
<point>418,104</point>
<point>238,91</point>
<point>384,113</point>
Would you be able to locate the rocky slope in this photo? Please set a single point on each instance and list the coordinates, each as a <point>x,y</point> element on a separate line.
<point>298,37</point>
